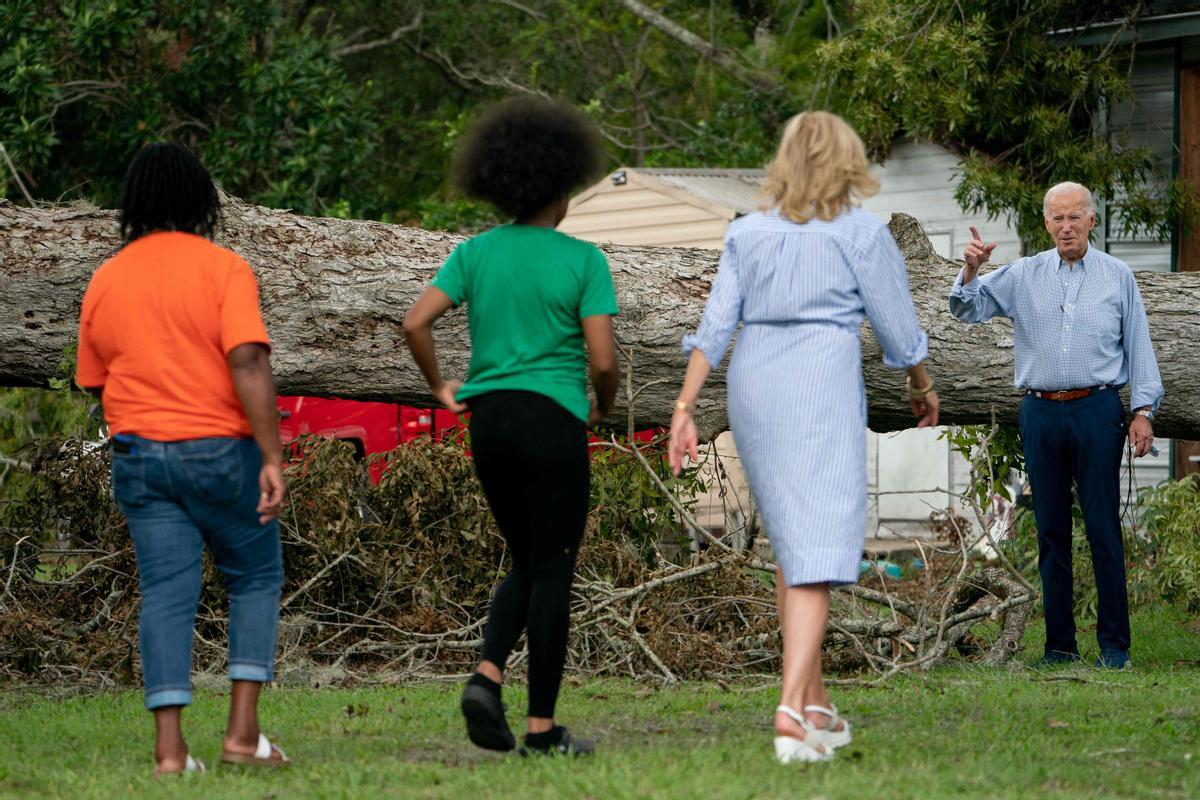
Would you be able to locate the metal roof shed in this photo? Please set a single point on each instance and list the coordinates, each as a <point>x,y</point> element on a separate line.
<point>664,207</point>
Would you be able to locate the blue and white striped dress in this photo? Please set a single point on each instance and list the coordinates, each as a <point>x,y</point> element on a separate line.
<point>797,406</point>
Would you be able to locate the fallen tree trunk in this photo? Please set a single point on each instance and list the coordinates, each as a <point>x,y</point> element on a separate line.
<point>334,293</point>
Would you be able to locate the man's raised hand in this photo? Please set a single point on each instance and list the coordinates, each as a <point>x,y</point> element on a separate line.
<point>976,253</point>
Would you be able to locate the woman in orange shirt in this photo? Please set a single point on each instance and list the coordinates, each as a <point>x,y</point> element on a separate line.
<point>171,339</point>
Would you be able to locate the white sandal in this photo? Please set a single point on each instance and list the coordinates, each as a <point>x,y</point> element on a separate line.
<point>828,735</point>
<point>263,755</point>
<point>789,748</point>
<point>190,764</point>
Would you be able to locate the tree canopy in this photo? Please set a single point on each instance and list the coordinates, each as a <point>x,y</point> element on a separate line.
<point>1005,84</point>
<point>265,103</point>
<point>352,107</point>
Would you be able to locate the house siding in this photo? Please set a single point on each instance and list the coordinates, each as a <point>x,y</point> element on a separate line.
<point>1147,120</point>
<point>919,179</point>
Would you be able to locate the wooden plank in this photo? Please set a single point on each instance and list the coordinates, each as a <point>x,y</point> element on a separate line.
<point>1188,254</point>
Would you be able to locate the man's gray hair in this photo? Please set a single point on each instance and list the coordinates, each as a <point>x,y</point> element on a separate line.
<point>1063,188</point>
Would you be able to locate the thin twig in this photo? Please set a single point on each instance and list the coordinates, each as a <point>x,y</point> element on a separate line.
<point>313,580</point>
<point>16,175</point>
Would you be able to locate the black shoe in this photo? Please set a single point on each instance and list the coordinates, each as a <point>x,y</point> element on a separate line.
<point>1114,659</point>
<point>1056,658</point>
<point>486,725</point>
<point>566,745</point>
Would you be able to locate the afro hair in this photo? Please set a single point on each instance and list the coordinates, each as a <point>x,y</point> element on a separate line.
<point>525,153</point>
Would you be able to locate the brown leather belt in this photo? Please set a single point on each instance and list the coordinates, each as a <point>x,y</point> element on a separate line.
<point>1063,396</point>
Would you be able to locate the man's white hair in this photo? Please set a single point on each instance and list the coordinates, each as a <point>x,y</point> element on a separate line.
<point>1063,188</point>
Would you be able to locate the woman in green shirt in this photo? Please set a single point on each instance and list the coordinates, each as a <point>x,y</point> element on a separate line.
<point>535,298</point>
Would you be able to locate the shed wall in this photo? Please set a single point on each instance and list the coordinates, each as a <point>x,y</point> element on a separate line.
<point>639,215</point>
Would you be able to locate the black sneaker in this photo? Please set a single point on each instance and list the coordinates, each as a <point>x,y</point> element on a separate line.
<point>487,726</point>
<point>567,745</point>
<point>1056,658</point>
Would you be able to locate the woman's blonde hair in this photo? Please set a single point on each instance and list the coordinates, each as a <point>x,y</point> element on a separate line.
<point>819,170</point>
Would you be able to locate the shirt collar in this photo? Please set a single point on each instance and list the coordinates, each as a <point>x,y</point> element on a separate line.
<point>1059,262</point>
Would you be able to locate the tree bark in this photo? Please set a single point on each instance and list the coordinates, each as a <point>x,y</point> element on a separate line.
<point>334,293</point>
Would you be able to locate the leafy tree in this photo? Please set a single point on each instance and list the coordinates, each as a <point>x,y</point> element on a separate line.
<point>658,101</point>
<point>989,79</point>
<point>84,84</point>
<point>353,107</point>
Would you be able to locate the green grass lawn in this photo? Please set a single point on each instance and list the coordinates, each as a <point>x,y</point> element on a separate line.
<point>957,732</point>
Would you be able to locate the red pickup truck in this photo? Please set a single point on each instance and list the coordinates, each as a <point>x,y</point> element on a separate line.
<point>375,427</point>
<point>369,427</point>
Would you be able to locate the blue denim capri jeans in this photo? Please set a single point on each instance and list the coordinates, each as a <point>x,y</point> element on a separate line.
<point>179,497</point>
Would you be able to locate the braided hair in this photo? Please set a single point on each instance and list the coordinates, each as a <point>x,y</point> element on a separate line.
<point>167,188</point>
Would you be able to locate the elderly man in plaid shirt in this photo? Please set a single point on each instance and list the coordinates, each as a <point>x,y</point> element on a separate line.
<point>1080,334</point>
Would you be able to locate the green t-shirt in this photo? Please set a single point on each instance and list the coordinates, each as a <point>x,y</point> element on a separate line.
<point>526,288</point>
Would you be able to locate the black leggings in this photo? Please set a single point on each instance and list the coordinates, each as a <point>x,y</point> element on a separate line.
<point>531,457</point>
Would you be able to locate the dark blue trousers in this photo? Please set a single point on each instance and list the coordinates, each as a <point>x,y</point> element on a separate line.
<point>1079,441</point>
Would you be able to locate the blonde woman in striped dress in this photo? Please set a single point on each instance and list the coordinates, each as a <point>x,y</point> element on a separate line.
<point>800,277</point>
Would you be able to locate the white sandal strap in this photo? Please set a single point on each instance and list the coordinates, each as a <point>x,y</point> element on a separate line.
<point>266,747</point>
<point>830,712</point>
<point>794,714</point>
<point>263,750</point>
<point>799,719</point>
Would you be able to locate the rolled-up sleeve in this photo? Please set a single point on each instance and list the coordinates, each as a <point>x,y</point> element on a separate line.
<point>722,313</point>
<point>883,287</point>
<point>1145,382</point>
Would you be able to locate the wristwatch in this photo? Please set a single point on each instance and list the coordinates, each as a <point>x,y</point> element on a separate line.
<point>1145,412</point>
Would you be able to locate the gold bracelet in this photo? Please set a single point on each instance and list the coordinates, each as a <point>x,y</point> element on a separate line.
<point>917,392</point>
<point>683,405</point>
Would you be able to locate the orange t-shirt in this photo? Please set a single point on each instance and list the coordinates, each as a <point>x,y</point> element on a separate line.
<point>158,320</point>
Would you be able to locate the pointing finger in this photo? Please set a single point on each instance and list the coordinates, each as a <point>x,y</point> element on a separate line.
<point>975,234</point>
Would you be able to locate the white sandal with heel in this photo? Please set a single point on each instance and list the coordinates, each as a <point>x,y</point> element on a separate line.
<point>809,749</point>
<point>829,735</point>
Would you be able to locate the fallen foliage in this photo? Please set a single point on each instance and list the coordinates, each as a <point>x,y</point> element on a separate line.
<point>393,581</point>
